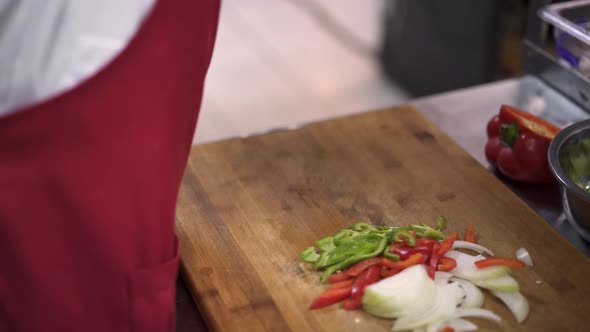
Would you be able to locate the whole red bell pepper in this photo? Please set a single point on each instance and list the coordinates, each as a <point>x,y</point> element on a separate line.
<point>518,143</point>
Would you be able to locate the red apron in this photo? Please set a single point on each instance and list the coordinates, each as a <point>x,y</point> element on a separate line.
<point>89,180</point>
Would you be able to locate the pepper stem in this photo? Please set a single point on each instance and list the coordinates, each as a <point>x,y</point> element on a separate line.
<point>509,133</point>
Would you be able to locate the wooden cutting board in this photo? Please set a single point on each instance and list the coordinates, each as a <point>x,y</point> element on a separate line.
<point>247,207</point>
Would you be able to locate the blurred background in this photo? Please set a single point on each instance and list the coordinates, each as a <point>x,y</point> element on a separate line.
<point>281,63</point>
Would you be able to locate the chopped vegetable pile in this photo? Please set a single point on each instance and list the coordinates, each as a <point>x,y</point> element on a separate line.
<point>575,160</point>
<point>362,241</point>
<point>415,275</point>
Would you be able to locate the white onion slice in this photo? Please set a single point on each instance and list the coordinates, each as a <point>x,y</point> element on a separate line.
<point>523,255</point>
<point>459,294</point>
<point>516,302</point>
<point>441,278</point>
<point>461,325</point>
<point>478,313</point>
<point>504,284</point>
<point>409,290</point>
<point>473,296</point>
<point>464,261</point>
<point>435,326</point>
<point>466,268</point>
<point>442,308</point>
<point>472,246</point>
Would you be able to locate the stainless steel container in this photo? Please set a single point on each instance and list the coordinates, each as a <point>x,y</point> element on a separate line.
<point>569,160</point>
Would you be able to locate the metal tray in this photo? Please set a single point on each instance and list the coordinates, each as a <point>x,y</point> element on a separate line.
<point>563,16</point>
<point>540,62</point>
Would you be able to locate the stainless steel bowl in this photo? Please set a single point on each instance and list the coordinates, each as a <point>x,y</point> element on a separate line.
<point>569,145</point>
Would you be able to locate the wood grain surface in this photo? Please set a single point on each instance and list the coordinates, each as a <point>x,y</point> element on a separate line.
<point>247,207</point>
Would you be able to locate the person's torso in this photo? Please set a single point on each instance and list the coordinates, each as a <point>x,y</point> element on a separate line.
<point>88,184</point>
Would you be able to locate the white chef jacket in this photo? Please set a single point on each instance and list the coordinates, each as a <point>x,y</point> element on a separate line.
<point>48,46</point>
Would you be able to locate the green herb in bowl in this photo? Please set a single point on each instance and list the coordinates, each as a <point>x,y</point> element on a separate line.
<point>575,161</point>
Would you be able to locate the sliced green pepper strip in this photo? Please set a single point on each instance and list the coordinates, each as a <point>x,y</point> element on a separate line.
<point>326,244</point>
<point>344,235</point>
<point>404,235</point>
<point>353,260</point>
<point>309,255</point>
<point>361,244</point>
<point>363,227</point>
<point>389,255</point>
<point>322,261</point>
<point>342,252</point>
<point>441,222</point>
<point>388,231</point>
<point>384,228</point>
<point>427,231</point>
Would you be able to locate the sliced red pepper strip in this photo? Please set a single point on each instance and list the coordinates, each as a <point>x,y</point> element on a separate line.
<point>387,272</point>
<point>357,287</point>
<point>470,234</point>
<point>424,241</point>
<point>404,252</point>
<point>407,237</point>
<point>330,297</point>
<point>455,236</point>
<point>495,261</point>
<point>447,329</point>
<point>446,264</point>
<point>337,277</point>
<point>446,245</point>
<point>342,284</point>
<point>433,264</point>
<point>412,260</point>
<point>373,275</point>
<point>366,278</point>
<point>395,245</point>
<point>351,304</point>
<point>359,267</point>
